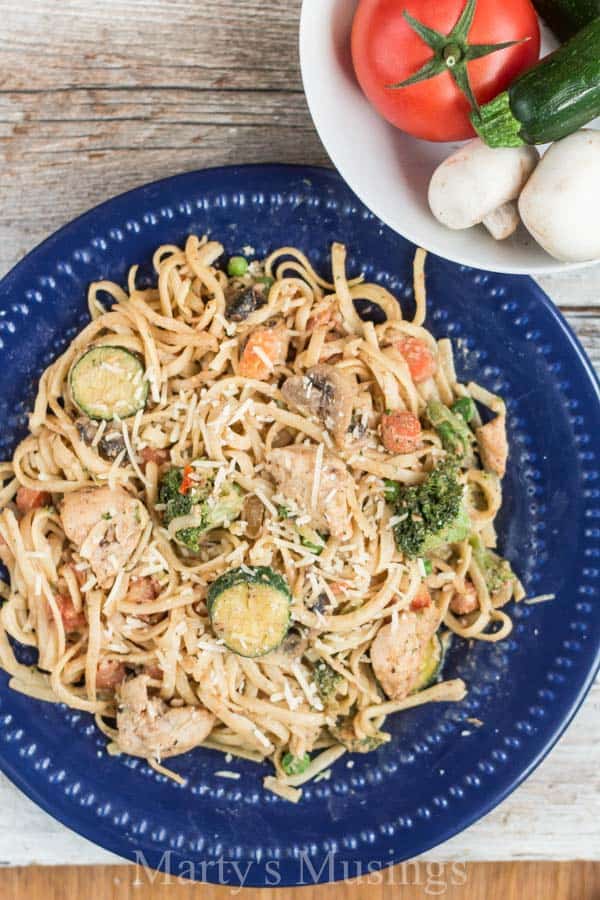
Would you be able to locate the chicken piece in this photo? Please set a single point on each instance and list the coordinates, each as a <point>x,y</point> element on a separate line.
<point>466,601</point>
<point>294,470</point>
<point>493,445</point>
<point>28,499</point>
<point>325,392</point>
<point>109,674</point>
<point>73,619</point>
<point>397,653</point>
<point>106,525</point>
<point>148,727</point>
<point>265,348</point>
<point>151,454</point>
<point>142,590</point>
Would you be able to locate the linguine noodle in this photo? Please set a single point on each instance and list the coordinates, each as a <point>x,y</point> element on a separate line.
<point>203,411</point>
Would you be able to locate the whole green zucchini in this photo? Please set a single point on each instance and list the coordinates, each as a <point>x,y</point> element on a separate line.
<point>566,17</point>
<point>549,101</point>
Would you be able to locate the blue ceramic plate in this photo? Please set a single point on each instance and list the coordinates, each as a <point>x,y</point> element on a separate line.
<point>439,774</point>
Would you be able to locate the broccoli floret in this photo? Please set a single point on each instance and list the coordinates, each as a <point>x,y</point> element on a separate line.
<point>295,765</point>
<point>496,570</point>
<point>326,679</point>
<point>343,731</point>
<point>211,512</point>
<point>454,433</point>
<point>430,513</point>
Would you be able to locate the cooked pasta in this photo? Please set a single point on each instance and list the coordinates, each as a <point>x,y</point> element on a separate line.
<point>248,518</point>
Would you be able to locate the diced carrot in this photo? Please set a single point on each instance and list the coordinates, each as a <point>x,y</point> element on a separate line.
<point>265,348</point>
<point>400,432</point>
<point>187,481</point>
<point>465,602</point>
<point>419,358</point>
<point>28,499</point>
<point>73,619</point>
<point>421,600</point>
<point>110,673</point>
<point>149,454</point>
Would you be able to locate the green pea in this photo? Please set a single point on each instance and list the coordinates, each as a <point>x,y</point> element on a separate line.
<point>295,765</point>
<point>237,266</point>
<point>465,408</point>
<point>266,280</point>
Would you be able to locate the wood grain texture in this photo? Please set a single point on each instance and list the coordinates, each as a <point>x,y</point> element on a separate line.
<point>96,98</point>
<point>481,881</point>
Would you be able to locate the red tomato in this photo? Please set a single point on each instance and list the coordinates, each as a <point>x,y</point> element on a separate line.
<point>386,50</point>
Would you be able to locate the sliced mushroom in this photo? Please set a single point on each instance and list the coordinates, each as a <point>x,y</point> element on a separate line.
<point>110,444</point>
<point>244,300</point>
<point>478,184</point>
<point>253,513</point>
<point>326,393</point>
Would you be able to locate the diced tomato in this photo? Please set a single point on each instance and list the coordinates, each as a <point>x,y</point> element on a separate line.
<point>187,481</point>
<point>28,499</point>
<point>110,673</point>
<point>419,358</point>
<point>73,619</point>
<point>265,348</point>
<point>421,600</point>
<point>142,590</point>
<point>150,454</point>
<point>400,432</point>
<point>327,316</point>
<point>466,602</point>
<point>154,671</point>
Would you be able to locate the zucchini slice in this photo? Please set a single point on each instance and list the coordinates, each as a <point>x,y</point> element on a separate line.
<point>431,665</point>
<point>108,382</point>
<point>250,610</point>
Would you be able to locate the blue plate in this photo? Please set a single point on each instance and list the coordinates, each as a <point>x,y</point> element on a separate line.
<point>439,773</point>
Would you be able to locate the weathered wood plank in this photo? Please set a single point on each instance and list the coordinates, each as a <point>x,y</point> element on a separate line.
<point>511,881</point>
<point>128,43</point>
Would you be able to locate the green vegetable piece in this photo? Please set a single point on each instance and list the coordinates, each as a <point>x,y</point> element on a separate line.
<point>284,512</point>
<point>343,731</point>
<point>454,433</point>
<point>391,490</point>
<point>249,610</point>
<point>431,513</point>
<point>464,407</point>
<point>427,566</point>
<point>326,679</point>
<point>211,512</point>
<point>431,664</point>
<point>266,280</point>
<point>295,765</point>
<point>237,266</point>
<point>550,100</point>
<point>496,570</point>
<point>314,541</point>
<point>108,382</point>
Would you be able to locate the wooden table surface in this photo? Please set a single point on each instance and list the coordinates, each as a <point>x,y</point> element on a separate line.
<point>98,97</point>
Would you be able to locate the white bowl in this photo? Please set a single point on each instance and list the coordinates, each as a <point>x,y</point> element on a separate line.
<point>388,170</point>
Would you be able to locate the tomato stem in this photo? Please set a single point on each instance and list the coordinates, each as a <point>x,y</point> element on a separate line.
<point>451,52</point>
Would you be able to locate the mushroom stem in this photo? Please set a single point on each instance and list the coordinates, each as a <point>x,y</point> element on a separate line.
<point>502,221</point>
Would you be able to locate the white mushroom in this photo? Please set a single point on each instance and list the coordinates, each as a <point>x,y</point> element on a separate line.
<point>478,184</point>
<point>560,202</point>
